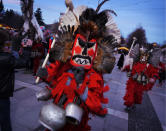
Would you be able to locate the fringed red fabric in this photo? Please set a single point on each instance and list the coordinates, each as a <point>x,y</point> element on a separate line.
<point>55,70</point>
<point>95,90</point>
<point>152,72</point>
<point>129,95</point>
<point>52,70</point>
<point>134,92</point>
<point>95,94</point>
<point>61,88</point>
<point>126,68</point>
<point>36,64</point>
<point>58,78</point>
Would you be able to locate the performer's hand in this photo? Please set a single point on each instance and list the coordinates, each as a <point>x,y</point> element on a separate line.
<point>128,74</point>
<point>43,95</point>
<point>151,80</point>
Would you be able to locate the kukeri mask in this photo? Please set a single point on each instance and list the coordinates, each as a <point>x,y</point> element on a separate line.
<point>83,52</point>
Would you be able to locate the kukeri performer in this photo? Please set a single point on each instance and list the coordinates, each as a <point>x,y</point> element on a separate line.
<point>83,52</point>
<point>37,54</point>
<point>143,76</point>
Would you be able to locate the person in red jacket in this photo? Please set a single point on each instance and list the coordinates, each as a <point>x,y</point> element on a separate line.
<point>143,77</point>
<point>37,54</point>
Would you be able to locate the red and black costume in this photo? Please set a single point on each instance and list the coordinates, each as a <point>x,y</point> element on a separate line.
<point>135,89</point>
<point>82,53</point>
<point>143,76</point>
<point>59,77</point>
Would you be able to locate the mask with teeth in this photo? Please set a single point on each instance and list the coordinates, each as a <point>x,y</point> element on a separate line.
<point>83,52</point>
<point>144,58</point>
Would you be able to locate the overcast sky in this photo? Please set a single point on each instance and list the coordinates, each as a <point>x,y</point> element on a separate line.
<point>150,14</point>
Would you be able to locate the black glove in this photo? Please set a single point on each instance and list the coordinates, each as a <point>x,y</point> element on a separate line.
<point>135,76</point>
<point>42,72</point>
<point>79,73</point>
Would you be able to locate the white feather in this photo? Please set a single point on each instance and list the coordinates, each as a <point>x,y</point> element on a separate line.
<point>112,28</point>
<point>78,11</point>
<point>70,18</point>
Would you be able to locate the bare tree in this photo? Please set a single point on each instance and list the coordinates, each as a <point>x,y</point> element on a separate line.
<point>139,33</point>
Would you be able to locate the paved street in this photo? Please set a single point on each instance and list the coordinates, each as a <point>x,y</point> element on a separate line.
<point>150,116</point>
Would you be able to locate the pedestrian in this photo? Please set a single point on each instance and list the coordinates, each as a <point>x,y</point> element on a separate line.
<point>25,51</point>
<point>7,65</point>
<point>121,61</point>
<point>6,82</point>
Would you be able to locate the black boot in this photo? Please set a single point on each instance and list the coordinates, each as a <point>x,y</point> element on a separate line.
<point>133,107</point>
<point>130,108</point>
<point>127,109</point>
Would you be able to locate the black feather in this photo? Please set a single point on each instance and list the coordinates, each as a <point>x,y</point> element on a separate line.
<point>88,15</point>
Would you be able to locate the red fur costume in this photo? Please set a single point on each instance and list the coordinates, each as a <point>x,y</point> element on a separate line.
<point>38,50</point>
<point>58,76</point>
<point>82,54</point>
<point>134,90</point>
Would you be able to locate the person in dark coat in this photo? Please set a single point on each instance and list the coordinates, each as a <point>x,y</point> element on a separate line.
<point>121,61</point>
<point>7,65</point>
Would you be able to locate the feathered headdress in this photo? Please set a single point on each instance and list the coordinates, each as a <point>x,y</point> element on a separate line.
<point>91,24</point>
<point>135,52</point>
<point>154,58</point>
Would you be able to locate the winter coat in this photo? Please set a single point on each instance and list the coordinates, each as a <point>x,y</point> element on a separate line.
<point>7,64</point>
<point>121,61</point>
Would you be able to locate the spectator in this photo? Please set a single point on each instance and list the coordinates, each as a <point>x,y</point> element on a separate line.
<point>25,51</point>
<point>7,65</point>
<point>6,82</point>
<point>121,61</point>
